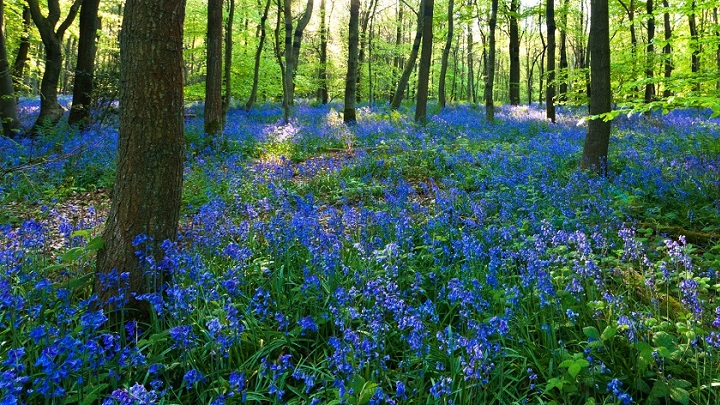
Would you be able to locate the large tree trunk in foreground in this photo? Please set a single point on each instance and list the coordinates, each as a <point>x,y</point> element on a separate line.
<point>148,183</point>
<point>85,67</point>
<point>425,61</point>
<point>650,54</point>
<point>8,102</point>
<point>350,78</point>
<point>514,53</point>
<point>667,50</point>
<point>50,109</point>
<point>446,55</point>
<point>490,76</point>
<point>595,149</point>
<point>213,82</point>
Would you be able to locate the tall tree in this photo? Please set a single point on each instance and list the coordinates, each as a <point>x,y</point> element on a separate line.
<point>322,75</point>
<point>563,88</point>
<point>52,37</point>
<point>667,49</point>
<point>409,64</point>
<point>694,43</point>
<point>288,54</point>
<point>630,11</point>
<point>213,82</point>
<point>514,53</point>
<point>425,62</point>
<point>8,102</point>
<point>258,54</point>
<point>650,53</point>
<point>470,91</point>
<point>23,50</point>
<point>550,90</point>
<point>490,76</point>
<point>352,65</point>
<point>148,182</point>
<point>597,139</point>
<point>228,59</point>
<point>85,67</point>
<point>446,54</point>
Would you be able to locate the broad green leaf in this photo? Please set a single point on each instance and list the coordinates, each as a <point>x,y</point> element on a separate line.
<point>95,244</point>
<point>609,332</point>
<point>591,332</point>
<point>680,395</point>
<point>72,254</point>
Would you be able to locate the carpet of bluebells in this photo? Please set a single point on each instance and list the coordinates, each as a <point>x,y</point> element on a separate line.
<point>378,263</point>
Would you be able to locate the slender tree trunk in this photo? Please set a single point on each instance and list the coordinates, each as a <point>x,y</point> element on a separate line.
<point>490,77</point>
<point>289,63</point>
<point>409,65</point>
<point>595,149</point>
<point>630,10</point>
<point>446,55</point>
<point>667,50</point>
<point>258,54</point>
<point>650,54</point>
<point>350,79</point>
<point>564,74</point>
<point>470,66</point>
<point>23,50</point>
<point>542,61</point>
<point>85,67</point>
<point>69,52</point>
<point>717,38</point>
<point>213,81</point>
<point>514,53</point>
<point>8,102</point>
<point>50,109</point>
<point>148,182</point>
<point>323,76</point>
<point>694,44</point>
<point>425,62</point>
<point>297,41</point>
<point>550,91</point>
<point>228,59</point>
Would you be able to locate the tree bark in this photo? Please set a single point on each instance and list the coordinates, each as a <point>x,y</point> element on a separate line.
<point>23,50</point>
<point>85,66</point>
<point>490,76</point>
<point>694,44</point>
<point>514,53</point>
<point>289,63</point>
<point>425,62</point>
<point>650,54</point>
<point>550,90</point>
<point>8,102</point>
<point>630,11</point>
<point>228,59</point>
<point>323,76</point>
<point>50,109</point>
<point>470,90</point>
<point>148,183</point>
<point>595,149</point>
<point>667,50</point>
<point>258,54</point>
<point>446,55</point>
<point>213,81</point>
<point>350,78</point>
<point>409,65</point>
<point>563,88</point>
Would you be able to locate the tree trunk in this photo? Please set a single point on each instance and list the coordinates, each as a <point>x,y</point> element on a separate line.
<point>409,65</point>
<point>550,90</point>
<point>289,63</point>
<point>8,102</point>
<point>541,66</point>
<point>323,88</point>
<point>50,109</point>
<point>490,76</point>
<point>563,53</point>
<point>352,65</point>
<point>717,38</point>
<point>85,67</point>
<point>446,55</point>
<point>470,91</point>
<point>650,54</point>
<point>425,62</point>
<point>297,41</point>
<point>23,50</point>
<point>228,59</point>
<point>148,183</point>
<point>630,10</point>
<point>667,50</point>
<point>514,53</point>
<point>694,45</point>
<point>258,54</point>
<point>595,149</point>
<point>213,80</point>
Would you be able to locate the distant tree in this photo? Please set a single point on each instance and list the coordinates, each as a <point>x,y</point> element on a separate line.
<point>21,56</point>
<point>446,54</point>
<point>85,66</point>
<point>550,90</point>
<point>667,49</point>
<point>595,149</point>
<point>8,102</point>
<point>52,37</point>
<point>514,52</point>
<point>148,182</point>
<point>258,54</point>
<point>650,53</point>
<point>399,93</point>
<point>490,76</point>
<point>213,82</point>
<point>228,59</point>
<point>322,75</point>
<point>425,62</point>
<point>563,87</point>
<point>694,43</point>
<point>352,64</point>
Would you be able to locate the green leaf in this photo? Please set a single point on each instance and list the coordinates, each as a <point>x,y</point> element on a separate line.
<point>609,332</point>
<point>367,392</point>
<point>567,363</point>
<point>80,282</point>
<point>72,254</point>
<point>591,332</point>
<point>95,244</point>
<point>680,395</point>
<point>553,383</point>
<point>574,370</point>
